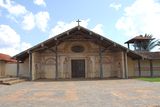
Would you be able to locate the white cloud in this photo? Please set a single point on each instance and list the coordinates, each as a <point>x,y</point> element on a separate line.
<point>28,22</point>
<point>19,14</point>
<point>98,29</point>
<point>42,19</point>
<point>140,18</point>
<point>12,7</point>
<point>10,42</point>
<point>63,26</point>
<point>39,20</point>
<point>25,46</point>
<point>39,2</point>
<point>8,36</point>
<point>115,6</point>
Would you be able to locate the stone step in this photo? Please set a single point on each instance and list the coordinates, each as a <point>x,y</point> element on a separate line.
<point>13,81</point>
<point>2,77</point>
<point>6,79</point>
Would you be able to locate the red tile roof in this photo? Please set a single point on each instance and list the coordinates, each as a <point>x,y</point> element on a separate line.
<point>6,58</point>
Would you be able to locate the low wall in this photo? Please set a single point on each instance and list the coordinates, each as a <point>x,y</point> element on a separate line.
<point>145,68</point>
<point>10,69</point>
<point>2,66</point>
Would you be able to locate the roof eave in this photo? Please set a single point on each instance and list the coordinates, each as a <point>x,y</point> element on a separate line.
<point>76,27</point>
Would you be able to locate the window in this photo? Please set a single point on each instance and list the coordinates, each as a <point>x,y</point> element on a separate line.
<point>77,48</point>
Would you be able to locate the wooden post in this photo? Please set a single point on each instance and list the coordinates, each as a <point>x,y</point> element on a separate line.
<point>134,45</point>
<point>30,65</point>
<point>139,67</point>
<point>100,61</point>
<point>151,68</point>
<point>56,61</point>
<point>17,67</point>
<point>128,45</point>
<point>125,65</point>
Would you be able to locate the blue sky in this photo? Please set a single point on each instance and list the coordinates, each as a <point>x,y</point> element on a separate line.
<point>25,23</point>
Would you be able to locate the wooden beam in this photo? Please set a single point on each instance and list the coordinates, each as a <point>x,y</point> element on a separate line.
<point>42,45</point>
<point>79,40</point>
<point>30,65</point>
<point>107,48</point>
<point>67,33</point>
<point>17,67</point>
<point>139,67</point>
<point>151,68</point>
<point>90,33</point>
<point>39,49</point>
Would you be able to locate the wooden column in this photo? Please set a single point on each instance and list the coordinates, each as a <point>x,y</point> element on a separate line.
<point>100,62</point>
<point>30,65</point>
<point>139,67</point>
<point>151,68</point>
<point>128,45</point>
<point>56,61</point>
<point>125,64</point>
<point>134,46</point>
<point>17,67</point>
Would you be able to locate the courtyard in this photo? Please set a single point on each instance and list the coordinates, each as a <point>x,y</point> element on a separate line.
<point>88,93</point>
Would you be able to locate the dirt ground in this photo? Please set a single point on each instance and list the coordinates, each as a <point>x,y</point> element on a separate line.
<point>95,93</point>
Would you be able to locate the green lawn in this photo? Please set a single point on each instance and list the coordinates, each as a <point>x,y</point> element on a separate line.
<point>150,79</point>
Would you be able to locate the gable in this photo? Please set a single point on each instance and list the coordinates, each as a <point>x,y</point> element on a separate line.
<point>78,33</point>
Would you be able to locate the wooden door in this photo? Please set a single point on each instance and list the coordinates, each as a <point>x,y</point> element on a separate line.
<point>78,68</point>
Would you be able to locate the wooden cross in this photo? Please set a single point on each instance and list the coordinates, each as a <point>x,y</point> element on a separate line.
<point>78,21</point>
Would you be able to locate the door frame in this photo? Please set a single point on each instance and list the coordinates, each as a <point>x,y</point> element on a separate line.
<point>77,58</point>
<point>83,68</point>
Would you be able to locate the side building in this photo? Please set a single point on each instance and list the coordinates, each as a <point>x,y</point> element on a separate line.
<point>7,65</point>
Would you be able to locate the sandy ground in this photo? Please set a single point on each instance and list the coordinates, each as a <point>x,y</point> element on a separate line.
<point>95,93</point>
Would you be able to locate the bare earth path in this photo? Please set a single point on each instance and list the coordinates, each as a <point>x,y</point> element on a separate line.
<point>96,93</point>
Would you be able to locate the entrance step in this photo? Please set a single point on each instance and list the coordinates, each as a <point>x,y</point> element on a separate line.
<point>10,81</point>
<point>6,79</point>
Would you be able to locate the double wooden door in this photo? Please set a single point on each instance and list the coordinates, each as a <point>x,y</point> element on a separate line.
<point>78,68</point>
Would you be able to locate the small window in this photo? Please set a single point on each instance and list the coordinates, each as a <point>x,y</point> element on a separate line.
<point>77,49</point>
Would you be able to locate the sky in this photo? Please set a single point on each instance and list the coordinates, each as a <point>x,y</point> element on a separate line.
<point>25,23</point>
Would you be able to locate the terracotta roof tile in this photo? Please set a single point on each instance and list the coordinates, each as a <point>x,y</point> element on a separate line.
<point>7,58</point>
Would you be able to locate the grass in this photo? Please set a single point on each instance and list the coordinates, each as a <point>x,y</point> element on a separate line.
<point>150,79</point>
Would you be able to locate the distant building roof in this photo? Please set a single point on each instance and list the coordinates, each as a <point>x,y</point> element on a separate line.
<point>6,58</point>
<point>139,38</point>
<point>150,55</point>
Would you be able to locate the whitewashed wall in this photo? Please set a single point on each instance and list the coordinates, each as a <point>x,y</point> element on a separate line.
<point>10,69</point>
<point>2,68</point>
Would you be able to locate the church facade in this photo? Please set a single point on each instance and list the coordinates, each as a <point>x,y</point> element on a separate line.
<point>77,53</point>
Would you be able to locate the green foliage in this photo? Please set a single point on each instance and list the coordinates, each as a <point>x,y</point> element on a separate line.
<point>149,79</point>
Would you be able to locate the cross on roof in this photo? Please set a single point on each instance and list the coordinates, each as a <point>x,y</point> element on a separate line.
<point>78,21</point>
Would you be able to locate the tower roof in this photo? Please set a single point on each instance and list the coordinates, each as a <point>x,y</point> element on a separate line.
<point>139,39</point>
